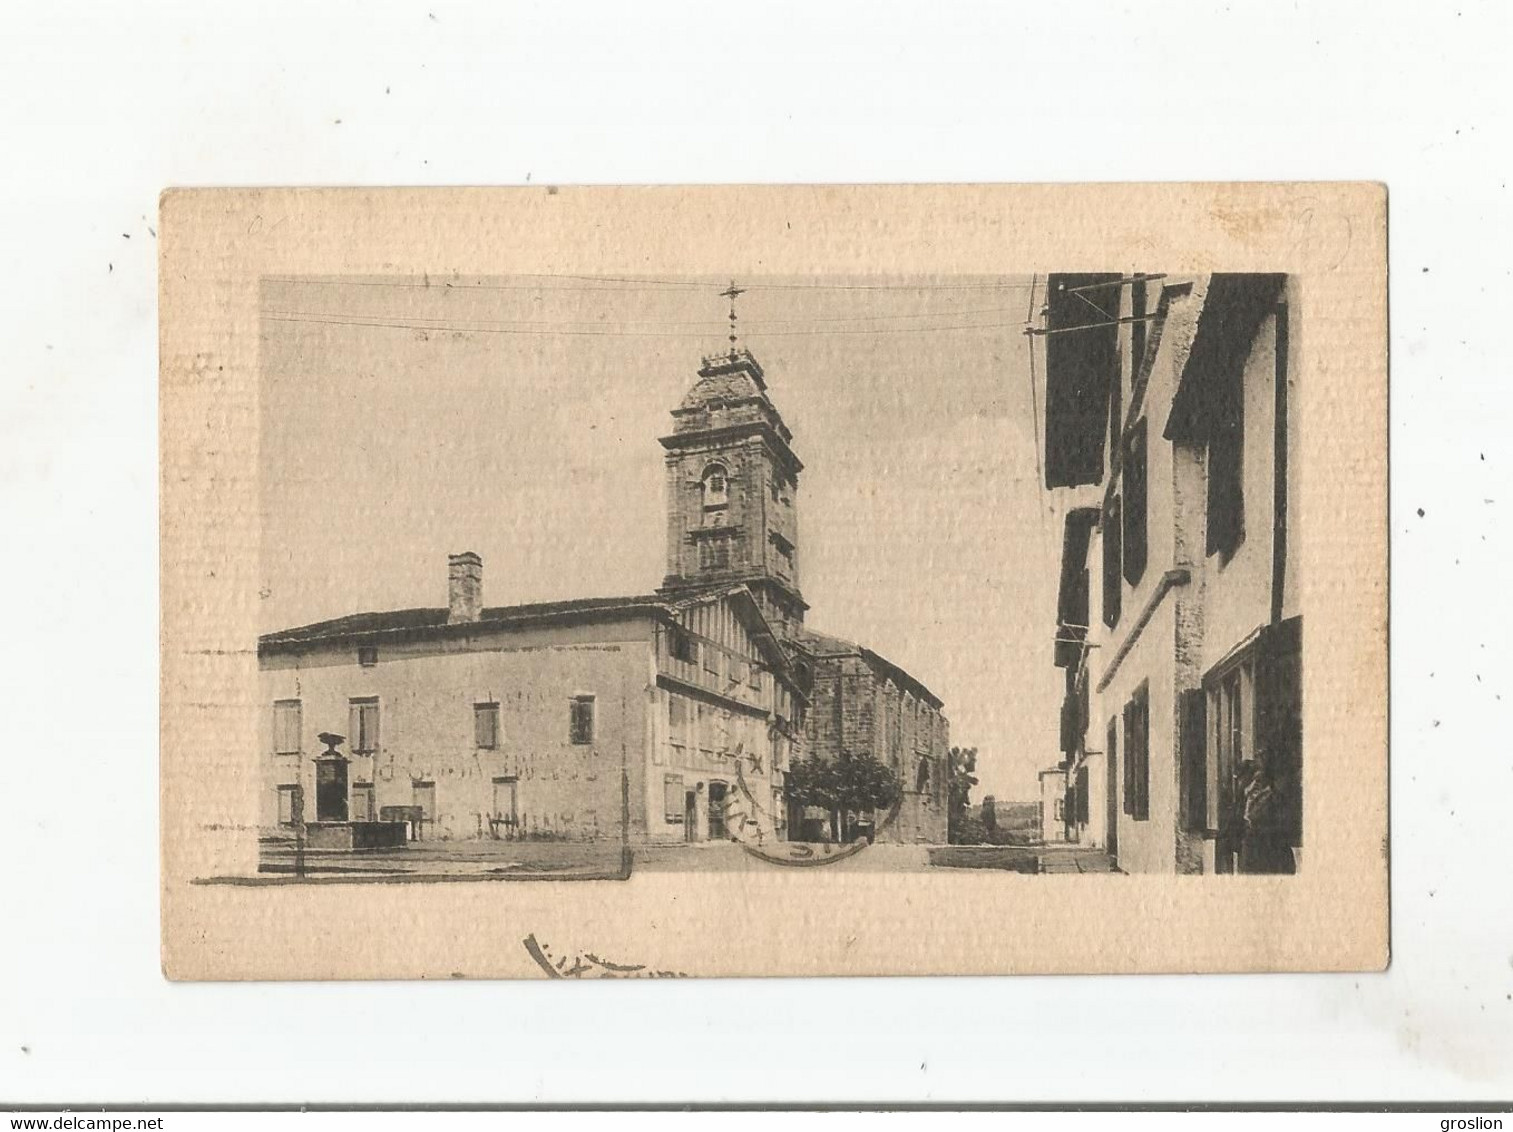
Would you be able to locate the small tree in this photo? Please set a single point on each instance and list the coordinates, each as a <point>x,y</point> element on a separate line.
<point>850,783</point>
<point>963,761</point>
<point>990,815</point>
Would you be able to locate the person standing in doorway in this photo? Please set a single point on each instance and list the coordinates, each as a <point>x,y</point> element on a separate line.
<point>1263,845</point>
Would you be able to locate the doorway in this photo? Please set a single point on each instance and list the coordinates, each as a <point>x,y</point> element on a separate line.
<point>506,816</point>
<point>690,816</point>
<point>717,811</point>
<point>362,801</point>
<point>331,790</point>
<point>424,796</point>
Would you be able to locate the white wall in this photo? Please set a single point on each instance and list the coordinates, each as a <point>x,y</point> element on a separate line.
<point>426,699</point>
<point>1237,592</point>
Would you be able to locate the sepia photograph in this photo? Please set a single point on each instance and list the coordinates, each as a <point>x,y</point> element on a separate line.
<point>719,562</point>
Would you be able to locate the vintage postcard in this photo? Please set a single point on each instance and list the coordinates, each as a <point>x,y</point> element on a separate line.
<point>637,582</point>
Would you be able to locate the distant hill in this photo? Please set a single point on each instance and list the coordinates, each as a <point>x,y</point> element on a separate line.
<point>1018,815</point>
<point>1014,823</point>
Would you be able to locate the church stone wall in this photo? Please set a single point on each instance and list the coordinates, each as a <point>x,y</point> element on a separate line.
<point>856,709</point>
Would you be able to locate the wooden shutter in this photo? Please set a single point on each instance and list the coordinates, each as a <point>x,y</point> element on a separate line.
<point>1226,465</point>
<point>1137,329</point>
<point>1134,483</point>
<point>287,725</point>
<point>1128,804</point>
<point>1193,710</point>
<point>1142,743</point>
<point>1112,565</point>
<point>1115,410</point>
<point>1137,756</point>
<point>364,726</point>
<point>486,726</point>
<point>1069,734</point>
<point>672,798</point>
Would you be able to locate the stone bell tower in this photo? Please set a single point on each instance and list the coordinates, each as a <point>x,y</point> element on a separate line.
<point>732,490</point>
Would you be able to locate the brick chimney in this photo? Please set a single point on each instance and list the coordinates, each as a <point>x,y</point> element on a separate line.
<point>464,587</point>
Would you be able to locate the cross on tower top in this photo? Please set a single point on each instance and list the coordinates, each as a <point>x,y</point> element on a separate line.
<point>730,293</point>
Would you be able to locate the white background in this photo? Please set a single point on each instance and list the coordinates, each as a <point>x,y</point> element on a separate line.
<point>101,107</point>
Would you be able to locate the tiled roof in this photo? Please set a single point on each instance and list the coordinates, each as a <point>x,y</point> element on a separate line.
<point>822,645</point>
<point>429,621</point>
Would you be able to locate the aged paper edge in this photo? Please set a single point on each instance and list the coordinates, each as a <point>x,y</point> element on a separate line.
<point>215,246</point>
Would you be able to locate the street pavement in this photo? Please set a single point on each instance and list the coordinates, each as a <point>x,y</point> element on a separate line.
<point>727,856</point>
<point>495,860</point>
<point>1074,859</point>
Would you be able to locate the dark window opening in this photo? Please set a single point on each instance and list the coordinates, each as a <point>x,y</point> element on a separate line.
<point>581,720</point>
<point>680,644</point>
<point>716,486</point>
<point>367,656</point>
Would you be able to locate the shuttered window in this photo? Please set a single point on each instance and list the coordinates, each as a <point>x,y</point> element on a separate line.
<point>362,725</point>
<point>1226,462</point>
<point>581,720</point>
<point>1137,295</point>
<point>1128,781</point>
<point>672,799</point>
<point>1112,565</point>
<point>1069,723</point>
<point>1134,480</point>
<point>486,726</point>
<point>1137,754</point>
<point>287,721</point>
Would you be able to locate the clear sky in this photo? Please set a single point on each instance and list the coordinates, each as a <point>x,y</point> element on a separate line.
<point>404,419</point>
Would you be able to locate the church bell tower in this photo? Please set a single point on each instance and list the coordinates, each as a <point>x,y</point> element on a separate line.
<point>732,489</point>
